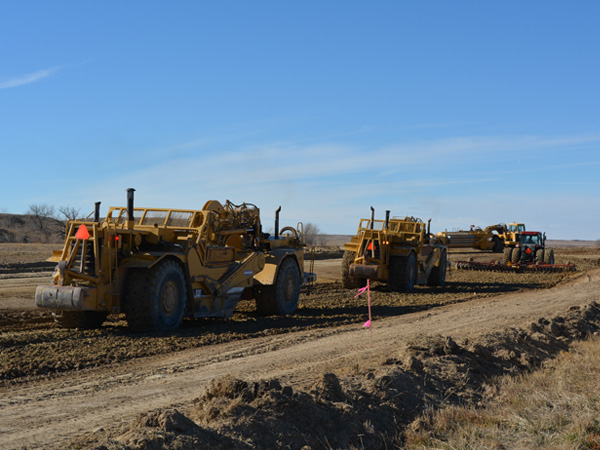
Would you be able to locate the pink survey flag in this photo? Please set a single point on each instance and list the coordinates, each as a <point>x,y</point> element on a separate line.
<point>361,290</point>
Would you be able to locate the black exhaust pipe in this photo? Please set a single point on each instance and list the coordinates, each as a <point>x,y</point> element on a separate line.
<point>277,222</point>
<point>372,217</point>
<point>371,242</point>
<point>130,218</point>
<point>97,212</point>
<point>387,219</point>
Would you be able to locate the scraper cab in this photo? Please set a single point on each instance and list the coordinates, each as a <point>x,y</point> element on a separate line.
<point>160,265</point>
<point>399,251</point>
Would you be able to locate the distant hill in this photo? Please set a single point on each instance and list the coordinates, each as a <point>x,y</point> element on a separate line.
<point>25,228</point>
<point>573,243</point>
<point>332,240</point>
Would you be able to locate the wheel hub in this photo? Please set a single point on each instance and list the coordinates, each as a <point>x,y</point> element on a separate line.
<point>169,298</point>
<point>288,288</point>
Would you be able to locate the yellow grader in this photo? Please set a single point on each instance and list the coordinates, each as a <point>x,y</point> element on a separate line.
<point>399,252</point>
<point>512,232</point>
<point>511,239</point>
<point>161,265</point>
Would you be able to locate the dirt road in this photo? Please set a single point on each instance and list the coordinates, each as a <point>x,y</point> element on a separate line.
<point>59,386</point>
<point>49,413</point>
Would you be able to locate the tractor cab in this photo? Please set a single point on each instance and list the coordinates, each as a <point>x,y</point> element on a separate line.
<point>529,243</point>
<point>531,238</point>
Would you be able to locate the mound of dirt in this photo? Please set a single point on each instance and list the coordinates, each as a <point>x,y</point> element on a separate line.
<point>367,409</point>
<point>168,429</point>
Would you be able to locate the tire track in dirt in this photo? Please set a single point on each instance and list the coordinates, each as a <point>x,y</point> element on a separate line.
<point>29,267</point>
<point>35,346</point>
<point>49,413</point>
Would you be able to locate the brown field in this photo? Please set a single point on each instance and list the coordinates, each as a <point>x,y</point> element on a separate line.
<point>316,379</point>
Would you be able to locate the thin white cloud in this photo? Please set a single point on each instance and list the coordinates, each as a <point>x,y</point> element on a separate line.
<point>486,147</point>
<point>28,78</point>
<point>424,126</point>
<point>334,185</point>
<point>276,167</point>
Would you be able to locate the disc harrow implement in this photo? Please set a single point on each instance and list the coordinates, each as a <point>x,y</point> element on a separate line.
<point>496,266</point>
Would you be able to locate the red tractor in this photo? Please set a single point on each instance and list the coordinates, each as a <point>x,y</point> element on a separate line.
<point>531,249</point>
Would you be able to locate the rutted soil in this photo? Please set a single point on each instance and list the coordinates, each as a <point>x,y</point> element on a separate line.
<point>276,366</point>
<point>26,267</point>
<point>366,409</point>
<point>33,345</point>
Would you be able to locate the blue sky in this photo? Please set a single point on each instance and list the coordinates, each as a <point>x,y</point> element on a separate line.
<point>466,112</point>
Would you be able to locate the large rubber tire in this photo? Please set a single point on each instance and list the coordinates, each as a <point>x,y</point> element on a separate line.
<point>539,256</point>
<point>437,276</point>
<point>350,282</point>
<point>155,298</point>
<point>516,255</point>
<point>86,320</point>
<point>498,244</point>
<point>281,297</point>
<point>507,254</point>
<point>549,256</point>
<point>402,273</point>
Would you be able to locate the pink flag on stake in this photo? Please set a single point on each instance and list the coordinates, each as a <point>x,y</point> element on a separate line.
<point>361,290</point>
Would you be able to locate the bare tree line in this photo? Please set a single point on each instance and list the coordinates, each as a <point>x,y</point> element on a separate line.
<point>40,223</point>
<point>312,234</point>
<point>43,214</point>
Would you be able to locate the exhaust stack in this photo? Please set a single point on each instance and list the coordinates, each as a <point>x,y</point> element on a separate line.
<point>277,222</point>
<point>130,219</point>
<point>97,212</point>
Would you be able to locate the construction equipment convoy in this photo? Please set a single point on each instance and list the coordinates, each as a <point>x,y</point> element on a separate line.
<point>399,252</point>
<point>522,250</point>
<point>529,254</point>
<point>160,265</point>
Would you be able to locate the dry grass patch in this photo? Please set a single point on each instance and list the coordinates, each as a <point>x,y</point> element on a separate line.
<point>555,407</point>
